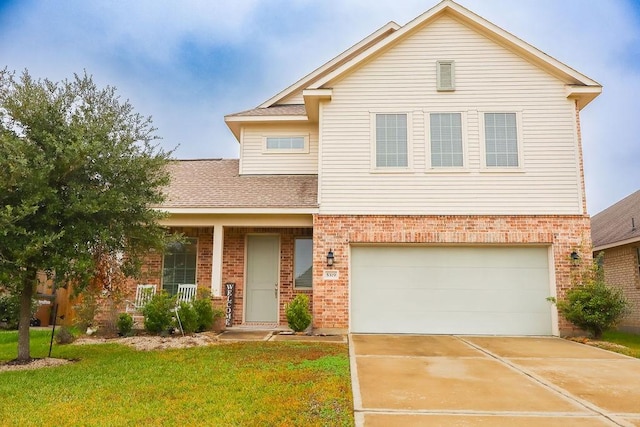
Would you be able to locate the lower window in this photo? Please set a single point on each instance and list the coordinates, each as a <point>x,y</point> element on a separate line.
<point>303,263</point>
<point>179,265</point>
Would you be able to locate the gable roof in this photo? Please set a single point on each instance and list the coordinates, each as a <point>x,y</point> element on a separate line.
<point>214,184</point>
<point>492,31</point>
<point>316,85</point>
<point>614,226</point>
<point>333,64</point>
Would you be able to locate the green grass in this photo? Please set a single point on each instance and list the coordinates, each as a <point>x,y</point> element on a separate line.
<point>253,383</point>
<point>631,341</point>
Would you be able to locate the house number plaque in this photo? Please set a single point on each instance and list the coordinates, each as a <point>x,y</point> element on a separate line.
<point>330,274</point>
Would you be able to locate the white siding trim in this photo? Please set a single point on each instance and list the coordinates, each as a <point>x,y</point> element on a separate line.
<point>320,160</point>
<point>231,210</point>
<point>240,169</point>
<point>553,292</point>
<point>217,260</point>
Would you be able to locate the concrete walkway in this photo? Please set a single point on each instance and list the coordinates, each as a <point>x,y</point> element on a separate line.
<point>250,334</point>
<point>411,380</point>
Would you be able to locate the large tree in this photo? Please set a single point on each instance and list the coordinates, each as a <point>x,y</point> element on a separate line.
<point>79,173</point>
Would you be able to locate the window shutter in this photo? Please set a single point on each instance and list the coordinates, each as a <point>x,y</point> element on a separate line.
<point>445,76</point>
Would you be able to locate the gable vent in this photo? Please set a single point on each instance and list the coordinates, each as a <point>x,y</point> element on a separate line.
<point>445,75</point>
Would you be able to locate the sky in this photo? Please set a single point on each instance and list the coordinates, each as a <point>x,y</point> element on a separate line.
<point>189,63</point>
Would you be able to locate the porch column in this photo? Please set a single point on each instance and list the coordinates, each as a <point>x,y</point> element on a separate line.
<point>216,261</point>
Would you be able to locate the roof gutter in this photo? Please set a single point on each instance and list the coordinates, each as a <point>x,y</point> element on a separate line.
<point>614,244</point>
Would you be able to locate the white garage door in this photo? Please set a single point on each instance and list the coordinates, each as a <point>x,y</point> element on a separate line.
<point>450,290</point>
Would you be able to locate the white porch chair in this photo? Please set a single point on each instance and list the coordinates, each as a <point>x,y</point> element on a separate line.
<point>186,294</point>
<point>144,293</point>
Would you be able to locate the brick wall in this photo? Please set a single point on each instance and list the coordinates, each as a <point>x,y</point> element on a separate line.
<point>152,267</point>
<point>331,298</point>
<point>233,265</point>
<point>621,270</point>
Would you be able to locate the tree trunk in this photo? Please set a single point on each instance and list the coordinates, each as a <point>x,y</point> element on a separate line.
<point>24,350</point>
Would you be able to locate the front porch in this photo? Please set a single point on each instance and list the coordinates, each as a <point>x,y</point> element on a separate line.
<point>267,258</point>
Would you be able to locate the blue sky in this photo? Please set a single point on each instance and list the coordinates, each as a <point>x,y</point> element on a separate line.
<point>189,63</point>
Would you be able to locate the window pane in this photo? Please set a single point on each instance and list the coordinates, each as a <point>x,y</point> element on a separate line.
<point>446,139</point>
<point>391,140</point>
<point>179,265</point>
<point>303,262</point>
<point>501,140</point>
<point>285,143</point>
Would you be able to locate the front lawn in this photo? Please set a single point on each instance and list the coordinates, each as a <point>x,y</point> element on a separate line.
<point>253,383</point>
<point>630,341</point>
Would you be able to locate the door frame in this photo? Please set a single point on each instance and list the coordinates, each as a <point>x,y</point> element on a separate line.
<point>245,281</point>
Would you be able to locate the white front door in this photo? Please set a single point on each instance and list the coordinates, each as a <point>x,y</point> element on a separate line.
<point>263,257</point>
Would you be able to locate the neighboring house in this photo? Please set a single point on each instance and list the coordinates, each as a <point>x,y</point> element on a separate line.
<point>616,234</point>
<point>438,165</point>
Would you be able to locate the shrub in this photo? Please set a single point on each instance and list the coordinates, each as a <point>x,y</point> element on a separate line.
<point>158,313</point>
<point>591,305</point>
<point>64,336</point>
<point>125,324</point>
<point>594,307</point>
<point>188,317</point>
<point>298,315</point>
<point>86,309</point>
<point>10,310</point>
<point>205,314</point>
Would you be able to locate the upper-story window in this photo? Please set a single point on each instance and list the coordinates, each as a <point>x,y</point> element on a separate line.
<point>501,140</point>
<point>391,141</point>
<point>445,132</point>
<point>445,76</point>
<point>286,144</point>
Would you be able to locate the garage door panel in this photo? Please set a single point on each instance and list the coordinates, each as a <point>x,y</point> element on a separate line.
<point>462,290</point>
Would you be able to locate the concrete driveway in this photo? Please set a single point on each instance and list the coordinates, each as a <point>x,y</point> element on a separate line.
<point>422,380</point>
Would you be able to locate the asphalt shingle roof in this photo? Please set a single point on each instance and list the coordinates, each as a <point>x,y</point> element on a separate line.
<point>614,224</point>
<point>215,183</point>
<point>276,110</point>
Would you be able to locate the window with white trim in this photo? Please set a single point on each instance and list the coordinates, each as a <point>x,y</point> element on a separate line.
<point>445,76</point>
<point>303,263</point>
<point>391,141</point>
<point>501,140</point>
<point>445,132</point>
<point>284,144</point>
<point>179,265</point>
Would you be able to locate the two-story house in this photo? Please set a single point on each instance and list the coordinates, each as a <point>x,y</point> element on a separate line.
<point>427,180</point>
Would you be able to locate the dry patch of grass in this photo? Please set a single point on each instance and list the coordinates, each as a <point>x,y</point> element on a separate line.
<point>251,383</point>
<point>618,342</point>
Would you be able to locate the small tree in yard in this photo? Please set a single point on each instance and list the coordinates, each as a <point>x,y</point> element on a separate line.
<point>79,172</point>
<point>592,305</point>
<point>298,314</point>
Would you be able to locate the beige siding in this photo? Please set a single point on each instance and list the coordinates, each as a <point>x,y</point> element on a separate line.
<point>294,98</point>
<point>487,78</point>
<point>255,160</point>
